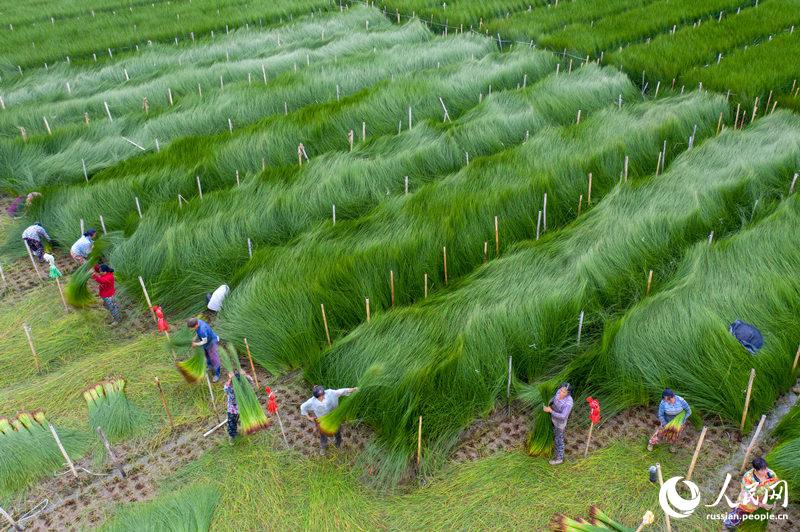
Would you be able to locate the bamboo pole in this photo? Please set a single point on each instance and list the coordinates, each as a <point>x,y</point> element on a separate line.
<point>419,443</point>
<point>211,394</point>
<point>719,123</point>
<point>508,388</point>
<point>426,286</point>
<point>37,362</point>
<point>85,173</point>
<point>538,225</point>
<point>747,398</point>
<point>63,451</point>
<point>366,303</point>
<point>325,323</point>
<point>444,261</point>
<point>588,441</point>
<point>138,206</point>
<point>625,169</point>
<point>350,139</point>
<point>752,443</point>
<point>661,483</point>
<point>496,237</point>
<point>252,366</point>
<point>111,454</point>
<point>580,204</point>
<point>7,517</point>
<point>589,193</point>
<point>3,277</point>
<point>580,327</point>
<point>35,266</point>
<point>199,186</point>
<point>696,453</point>
<point>164,402</point>
<point>213,429</point>
<point>61,293</point>
<point>103,225</point>
<point>755,110</point>
<point>736,118</point>
<point>796,359</point>
<point>649,282</point>
<point>544,213</point>
<point>147,298</point>
<point>391,284</point>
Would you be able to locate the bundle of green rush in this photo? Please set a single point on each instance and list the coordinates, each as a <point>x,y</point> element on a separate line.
<point>193,367</point>
<point>541,437</point>
<point>251,414</point>
<point>28,450</point>
<point>77,291</point>
<point>670,430</point>
<point>598,521</point>
<point>110,409</point>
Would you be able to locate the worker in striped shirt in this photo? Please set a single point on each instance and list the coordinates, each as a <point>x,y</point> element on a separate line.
<point>82,247</point>
<point>671,405</point>
<point>33,236</point>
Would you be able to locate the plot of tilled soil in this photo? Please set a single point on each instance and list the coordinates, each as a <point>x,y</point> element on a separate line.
<point>76,504</point>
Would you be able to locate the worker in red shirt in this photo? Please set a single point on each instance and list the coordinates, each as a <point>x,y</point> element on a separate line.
<point>104,275</point>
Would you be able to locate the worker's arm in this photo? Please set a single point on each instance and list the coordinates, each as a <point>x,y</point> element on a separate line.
<point>305,407</point>
<point>43,233</point>
<point>344,391</point>
<point>661,417</point>
<point>687,408</point>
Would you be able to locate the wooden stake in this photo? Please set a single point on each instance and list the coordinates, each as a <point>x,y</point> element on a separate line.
<point>649,282</point>
<point>366,303</point>
<point>538,225</point>
<point>63,451</point>
<point>363,131</point>
<point>61,293</point>
<point>325,324</point>
<point>250,248</point>
<point>736,119</point>
<point>580,327</point>
<point>250,359</point>
<point>211,393</point>
<point>589,193</point>
<point>350,139</point>
<point>755,110</point>
<point>164,402</point>
<point>719,123</point>
<point>794,182</point>
<point>544,213</point>
<point>85,173</point>
<point>334,213</point>
<point>103,225</point>
<point>83,228</point>
<point>47,125</point>
<point>752,443</point>
<point>661,483</point>
<point>625,169</point>
<point>426,286</point>
<point>35,266</point>
<point>419,442</point>
<point>36,361</point>
<point>580,204</point>
<point>747,398</point>
<point>199,186</point>
<point>444,261</point>
<point>588,441</point>
<point>11,521</point>
<point>485,251</point>
<point>3,277</point>
<point>391,284</point>
<point>138,206</point>
<point>214,428</point>
<point>405,181</point>
<point>147,298</point>
<point>796,359</point>
<point>696,453</point>
<point>578,120</point>
<point>108,112</point>
<point>496,237</point>
<point>169,95</point>
<point>508,388</point>
<point>111,455</point>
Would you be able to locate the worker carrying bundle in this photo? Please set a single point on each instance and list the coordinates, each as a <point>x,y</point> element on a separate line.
<point>757,485</point>
<point>559,408</point>
<point>673,411</point>
<point>208,339</point>
<point>324,402</point>
<point>82,247</point>
<point>233,405</point>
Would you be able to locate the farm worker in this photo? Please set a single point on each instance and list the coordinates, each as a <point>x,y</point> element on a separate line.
<point>559,409</point>
<point>104,275</point>
<point>207,338</point>
<point>233,406</point>
<point>33,236</point>
<point>757,483</point>
<point>671,405</point>
<point>322,402</point>
<point>217,297</point>
<point>83,246</point>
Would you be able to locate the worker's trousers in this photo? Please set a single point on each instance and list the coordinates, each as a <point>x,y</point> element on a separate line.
<point>337,439</point>
<point>558,441</point>
<point>212,357</point>
<point>111,304</point>
<point>36,247</point>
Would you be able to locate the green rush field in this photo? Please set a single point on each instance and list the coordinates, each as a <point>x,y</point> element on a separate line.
<point>453,206</point>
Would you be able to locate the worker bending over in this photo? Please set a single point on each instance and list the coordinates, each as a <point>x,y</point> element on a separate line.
<point>33,236</point>
<point>83,246</point>
<point>671,405</point>
<point>208,339</point>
